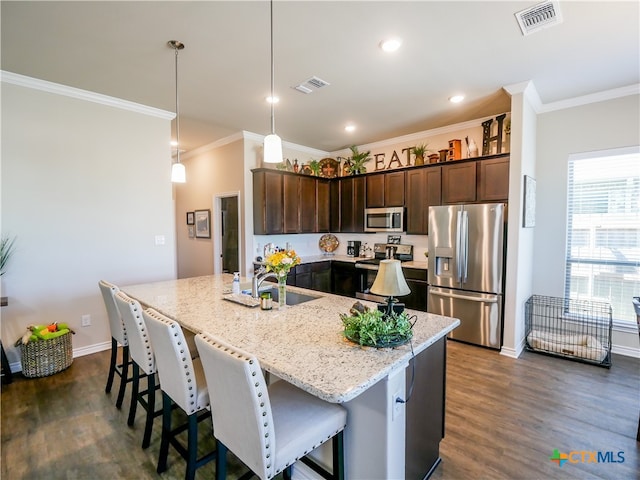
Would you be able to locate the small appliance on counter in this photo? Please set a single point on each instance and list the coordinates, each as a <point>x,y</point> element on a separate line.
<point>353,248</point>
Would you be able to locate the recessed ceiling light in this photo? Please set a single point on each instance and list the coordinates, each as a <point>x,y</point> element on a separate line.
<point>456,98</point>
<point>273,99</point>
<point>350,128</point>
<point>391,44</point>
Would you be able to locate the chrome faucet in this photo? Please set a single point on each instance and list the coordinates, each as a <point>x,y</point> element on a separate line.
<point>259,277</point>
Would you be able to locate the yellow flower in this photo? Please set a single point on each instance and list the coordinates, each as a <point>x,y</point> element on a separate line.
<point>281,262</point>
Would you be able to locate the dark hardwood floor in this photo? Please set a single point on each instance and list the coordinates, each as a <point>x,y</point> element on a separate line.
<point>504,419</point>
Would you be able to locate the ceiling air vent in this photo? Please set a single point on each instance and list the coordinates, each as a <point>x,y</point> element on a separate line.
<point>538,17</point>
<point>310,84</point>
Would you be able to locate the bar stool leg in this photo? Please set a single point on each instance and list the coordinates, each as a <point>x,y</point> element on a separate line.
<point>151,408</point>
<point>192,446</point>
<point>112,364</point>
<point>134,394</point>
<point>166,433</point>
<point>221,460</point>
<point>124,376</point>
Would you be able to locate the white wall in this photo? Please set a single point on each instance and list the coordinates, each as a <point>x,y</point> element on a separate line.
<point>596,126</point>
<point>85,190</point>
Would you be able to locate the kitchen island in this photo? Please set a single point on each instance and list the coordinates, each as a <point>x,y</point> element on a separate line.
<point>303,345</point>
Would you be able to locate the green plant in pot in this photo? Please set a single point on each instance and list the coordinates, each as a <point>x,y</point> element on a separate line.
<point>357,161</point>
<point>314,165</point>
<point>6,250</point>
<point>420,151</point>
<point>372,328</point>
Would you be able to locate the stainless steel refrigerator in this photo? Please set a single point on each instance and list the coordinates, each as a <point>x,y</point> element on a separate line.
<point>465,277</point>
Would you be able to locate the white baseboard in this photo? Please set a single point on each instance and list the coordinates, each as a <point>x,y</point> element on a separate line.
<point>626,351</point>
<point>77,352</point>
<point>303,472</point>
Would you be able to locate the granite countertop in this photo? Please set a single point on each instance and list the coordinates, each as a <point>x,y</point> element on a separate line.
<point>301,344</point>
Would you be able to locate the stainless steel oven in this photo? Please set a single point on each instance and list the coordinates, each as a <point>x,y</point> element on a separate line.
<point>390,219</point>
<point>370,266</point>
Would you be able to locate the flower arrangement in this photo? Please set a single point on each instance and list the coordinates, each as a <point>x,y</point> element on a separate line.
<point>281,262</point>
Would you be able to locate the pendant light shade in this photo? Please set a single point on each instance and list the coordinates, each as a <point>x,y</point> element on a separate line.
<point>178,172</point>
<point>272,152</point>
<point>272,149</point>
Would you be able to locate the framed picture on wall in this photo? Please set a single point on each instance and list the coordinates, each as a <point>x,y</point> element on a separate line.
<point>203,223</point>
<point>191,218</point>
<point>192,231</point>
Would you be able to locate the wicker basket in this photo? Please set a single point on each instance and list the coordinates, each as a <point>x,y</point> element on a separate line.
<point>41,358</point>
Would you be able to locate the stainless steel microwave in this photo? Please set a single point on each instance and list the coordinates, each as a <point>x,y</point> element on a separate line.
<point>390,219</point>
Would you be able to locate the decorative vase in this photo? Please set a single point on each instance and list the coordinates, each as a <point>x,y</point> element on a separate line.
<point>282,290</point>
<point>419,160</point>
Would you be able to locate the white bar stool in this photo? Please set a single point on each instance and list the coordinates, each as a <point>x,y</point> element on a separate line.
<point>118,337</point>
<point>143,359</point>
<point>267,427</point>
<point>182,381</point>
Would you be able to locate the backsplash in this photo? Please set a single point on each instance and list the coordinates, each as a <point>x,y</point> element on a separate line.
<point>306,245</point>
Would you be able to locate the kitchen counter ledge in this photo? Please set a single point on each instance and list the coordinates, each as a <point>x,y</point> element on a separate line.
<point>302,344</point>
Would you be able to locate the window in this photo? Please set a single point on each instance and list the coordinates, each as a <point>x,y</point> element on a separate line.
<point>603,229</point>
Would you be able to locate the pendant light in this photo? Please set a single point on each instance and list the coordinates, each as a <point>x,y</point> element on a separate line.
<point>272,143</point>
<point>178,173</point>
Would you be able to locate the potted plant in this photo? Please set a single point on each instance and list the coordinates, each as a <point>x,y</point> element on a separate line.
<point>314,165</point>
<point>420,151</point>
<point>357,161</point>
<point>6,250</point>
<point>372,328</point>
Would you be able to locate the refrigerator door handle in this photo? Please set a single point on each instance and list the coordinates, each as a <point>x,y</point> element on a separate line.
<point>464,297</point>
<point>465,245</point>
<point>458,246</point>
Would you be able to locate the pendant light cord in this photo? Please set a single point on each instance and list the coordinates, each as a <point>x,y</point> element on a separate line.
<point>273,118</point>
<point>177,116</point>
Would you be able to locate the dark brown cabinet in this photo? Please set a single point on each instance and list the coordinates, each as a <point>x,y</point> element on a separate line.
<point>423,190</point>
<point>267,202</point>
<point>289,203</point>
<point>285,202</point>
<point>322,206</point>
<point>493,184</point>
<point>385,190</point>
<point>314,276</point>
<point>459,183</point>
<point>417,281</point>
<point>291,186</point>
<point>350,198</point>
<point>346,278</point>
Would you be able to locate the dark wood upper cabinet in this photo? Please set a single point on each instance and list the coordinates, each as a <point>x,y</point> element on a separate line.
<point>493,181</point>
<point>423,191</point>
<point>459,183</point>
<point>394,189</point>
<point>323,210</point>
<point>307,205</point>
<point>267,202</point>
<point>385,190</point>
<point>352,191</point>
<point>285,202</point>
<point>291,203</point>
<point>334,205</point>
<point>375,190</point>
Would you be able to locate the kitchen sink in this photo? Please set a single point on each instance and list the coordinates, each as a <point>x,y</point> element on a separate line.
<point>293,298</point>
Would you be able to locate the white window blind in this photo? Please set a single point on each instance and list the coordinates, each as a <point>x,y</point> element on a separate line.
<point>603,231</point>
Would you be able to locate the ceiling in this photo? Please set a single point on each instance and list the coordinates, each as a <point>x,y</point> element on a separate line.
<point>120,49</point>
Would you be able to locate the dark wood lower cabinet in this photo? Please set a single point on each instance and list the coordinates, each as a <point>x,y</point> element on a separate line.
<point>425,410</point>
<point>417,281</point>
<point>314,276</point>
<point>346,279</point>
